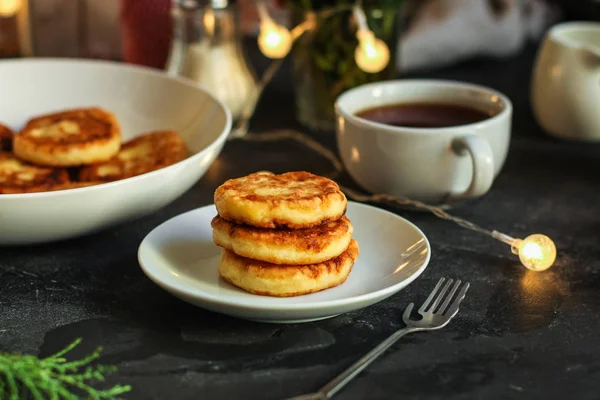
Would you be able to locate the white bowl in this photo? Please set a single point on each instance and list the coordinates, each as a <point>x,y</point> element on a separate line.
<point>143,100</point>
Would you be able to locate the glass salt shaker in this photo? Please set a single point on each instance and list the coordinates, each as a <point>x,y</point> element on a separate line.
<point>206,48</point>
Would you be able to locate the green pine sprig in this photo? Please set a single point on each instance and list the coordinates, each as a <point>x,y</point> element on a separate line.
<point>55,378</point>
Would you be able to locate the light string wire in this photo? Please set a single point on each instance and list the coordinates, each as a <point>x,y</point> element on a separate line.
<point>537,252</point>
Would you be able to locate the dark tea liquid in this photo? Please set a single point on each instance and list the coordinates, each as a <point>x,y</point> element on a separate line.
<point>424,115</point>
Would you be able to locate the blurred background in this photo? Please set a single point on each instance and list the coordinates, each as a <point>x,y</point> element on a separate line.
<point>122,29</point>
<point>422,35</point>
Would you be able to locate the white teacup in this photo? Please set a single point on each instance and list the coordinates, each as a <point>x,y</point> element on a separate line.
<point>435,165</point>
<point>565,89</point>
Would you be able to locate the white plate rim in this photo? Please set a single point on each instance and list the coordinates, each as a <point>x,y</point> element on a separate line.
<point>198,294</point>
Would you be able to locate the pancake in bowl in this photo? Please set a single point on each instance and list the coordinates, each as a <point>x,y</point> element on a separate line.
<point>6,135</point>
<point>143,154</point>
<point>268,279</point>
<point>19,177</point>
<point>284,246</point>
<point>294,200</point>
<point>69,138</point>
<point>72,185</point>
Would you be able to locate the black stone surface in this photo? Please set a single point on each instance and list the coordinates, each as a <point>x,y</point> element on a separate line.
<point>519,335</point>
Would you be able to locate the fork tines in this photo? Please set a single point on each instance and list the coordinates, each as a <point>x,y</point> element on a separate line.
<point>445,307</point>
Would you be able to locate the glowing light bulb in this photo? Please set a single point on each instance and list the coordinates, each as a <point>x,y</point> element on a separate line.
<point>274,41</point>
<point>371,55</point>
<point>537,252</point>
<point>8,8</point>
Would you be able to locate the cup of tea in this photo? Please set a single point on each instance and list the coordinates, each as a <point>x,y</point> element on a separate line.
<point>429,140</point>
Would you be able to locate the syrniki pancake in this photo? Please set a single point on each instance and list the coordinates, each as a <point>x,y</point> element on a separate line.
<point>143,154</point>
<point>69,138</point>
<point>284,246</point>
<point>267,279</point>
<point>6,135</point>
<point>72,185</point>
<point>292,200</point>
<point>19,177</point>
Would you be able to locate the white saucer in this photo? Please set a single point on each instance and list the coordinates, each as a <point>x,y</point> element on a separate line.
<point>179,256</point>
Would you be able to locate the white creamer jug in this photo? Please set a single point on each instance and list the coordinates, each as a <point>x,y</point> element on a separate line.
<point>565,90</point>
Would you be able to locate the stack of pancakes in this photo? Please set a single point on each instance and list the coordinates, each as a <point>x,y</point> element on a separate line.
<point>77,148</point>
<point>283,235</point>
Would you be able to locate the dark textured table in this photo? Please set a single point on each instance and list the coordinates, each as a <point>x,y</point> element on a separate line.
<point>519,335</point>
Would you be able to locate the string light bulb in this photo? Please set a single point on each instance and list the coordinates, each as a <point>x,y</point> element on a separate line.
<point>274,40</point>
<point>537,252</point>
<point>372,55</point>
<point>8,8</point>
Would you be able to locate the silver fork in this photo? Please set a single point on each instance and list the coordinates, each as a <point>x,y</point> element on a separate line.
<point>435,315</point>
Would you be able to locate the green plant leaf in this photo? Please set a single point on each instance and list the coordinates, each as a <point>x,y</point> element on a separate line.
<point>27,376</point>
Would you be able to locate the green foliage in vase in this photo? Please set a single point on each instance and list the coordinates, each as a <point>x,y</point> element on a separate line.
<point>28,377</point>
<point>324,62</point>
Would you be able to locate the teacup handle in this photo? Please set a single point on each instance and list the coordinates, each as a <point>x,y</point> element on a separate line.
<point>483,164</point>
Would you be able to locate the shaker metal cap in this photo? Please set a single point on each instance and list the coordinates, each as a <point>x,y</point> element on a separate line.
<point>196,4</point>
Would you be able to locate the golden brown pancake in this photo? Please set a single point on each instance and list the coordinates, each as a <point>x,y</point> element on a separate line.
<point>143,154</point>
<point>293,200</point>
<point>284,246</point>
<point>268,279</point>
<point>19,177</point>
<point>69,138</point>
<point>6,135</point>
<point>73,185</point>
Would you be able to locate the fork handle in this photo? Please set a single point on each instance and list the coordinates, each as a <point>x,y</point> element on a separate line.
<point>337,383</point>
<point>327,391</point>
